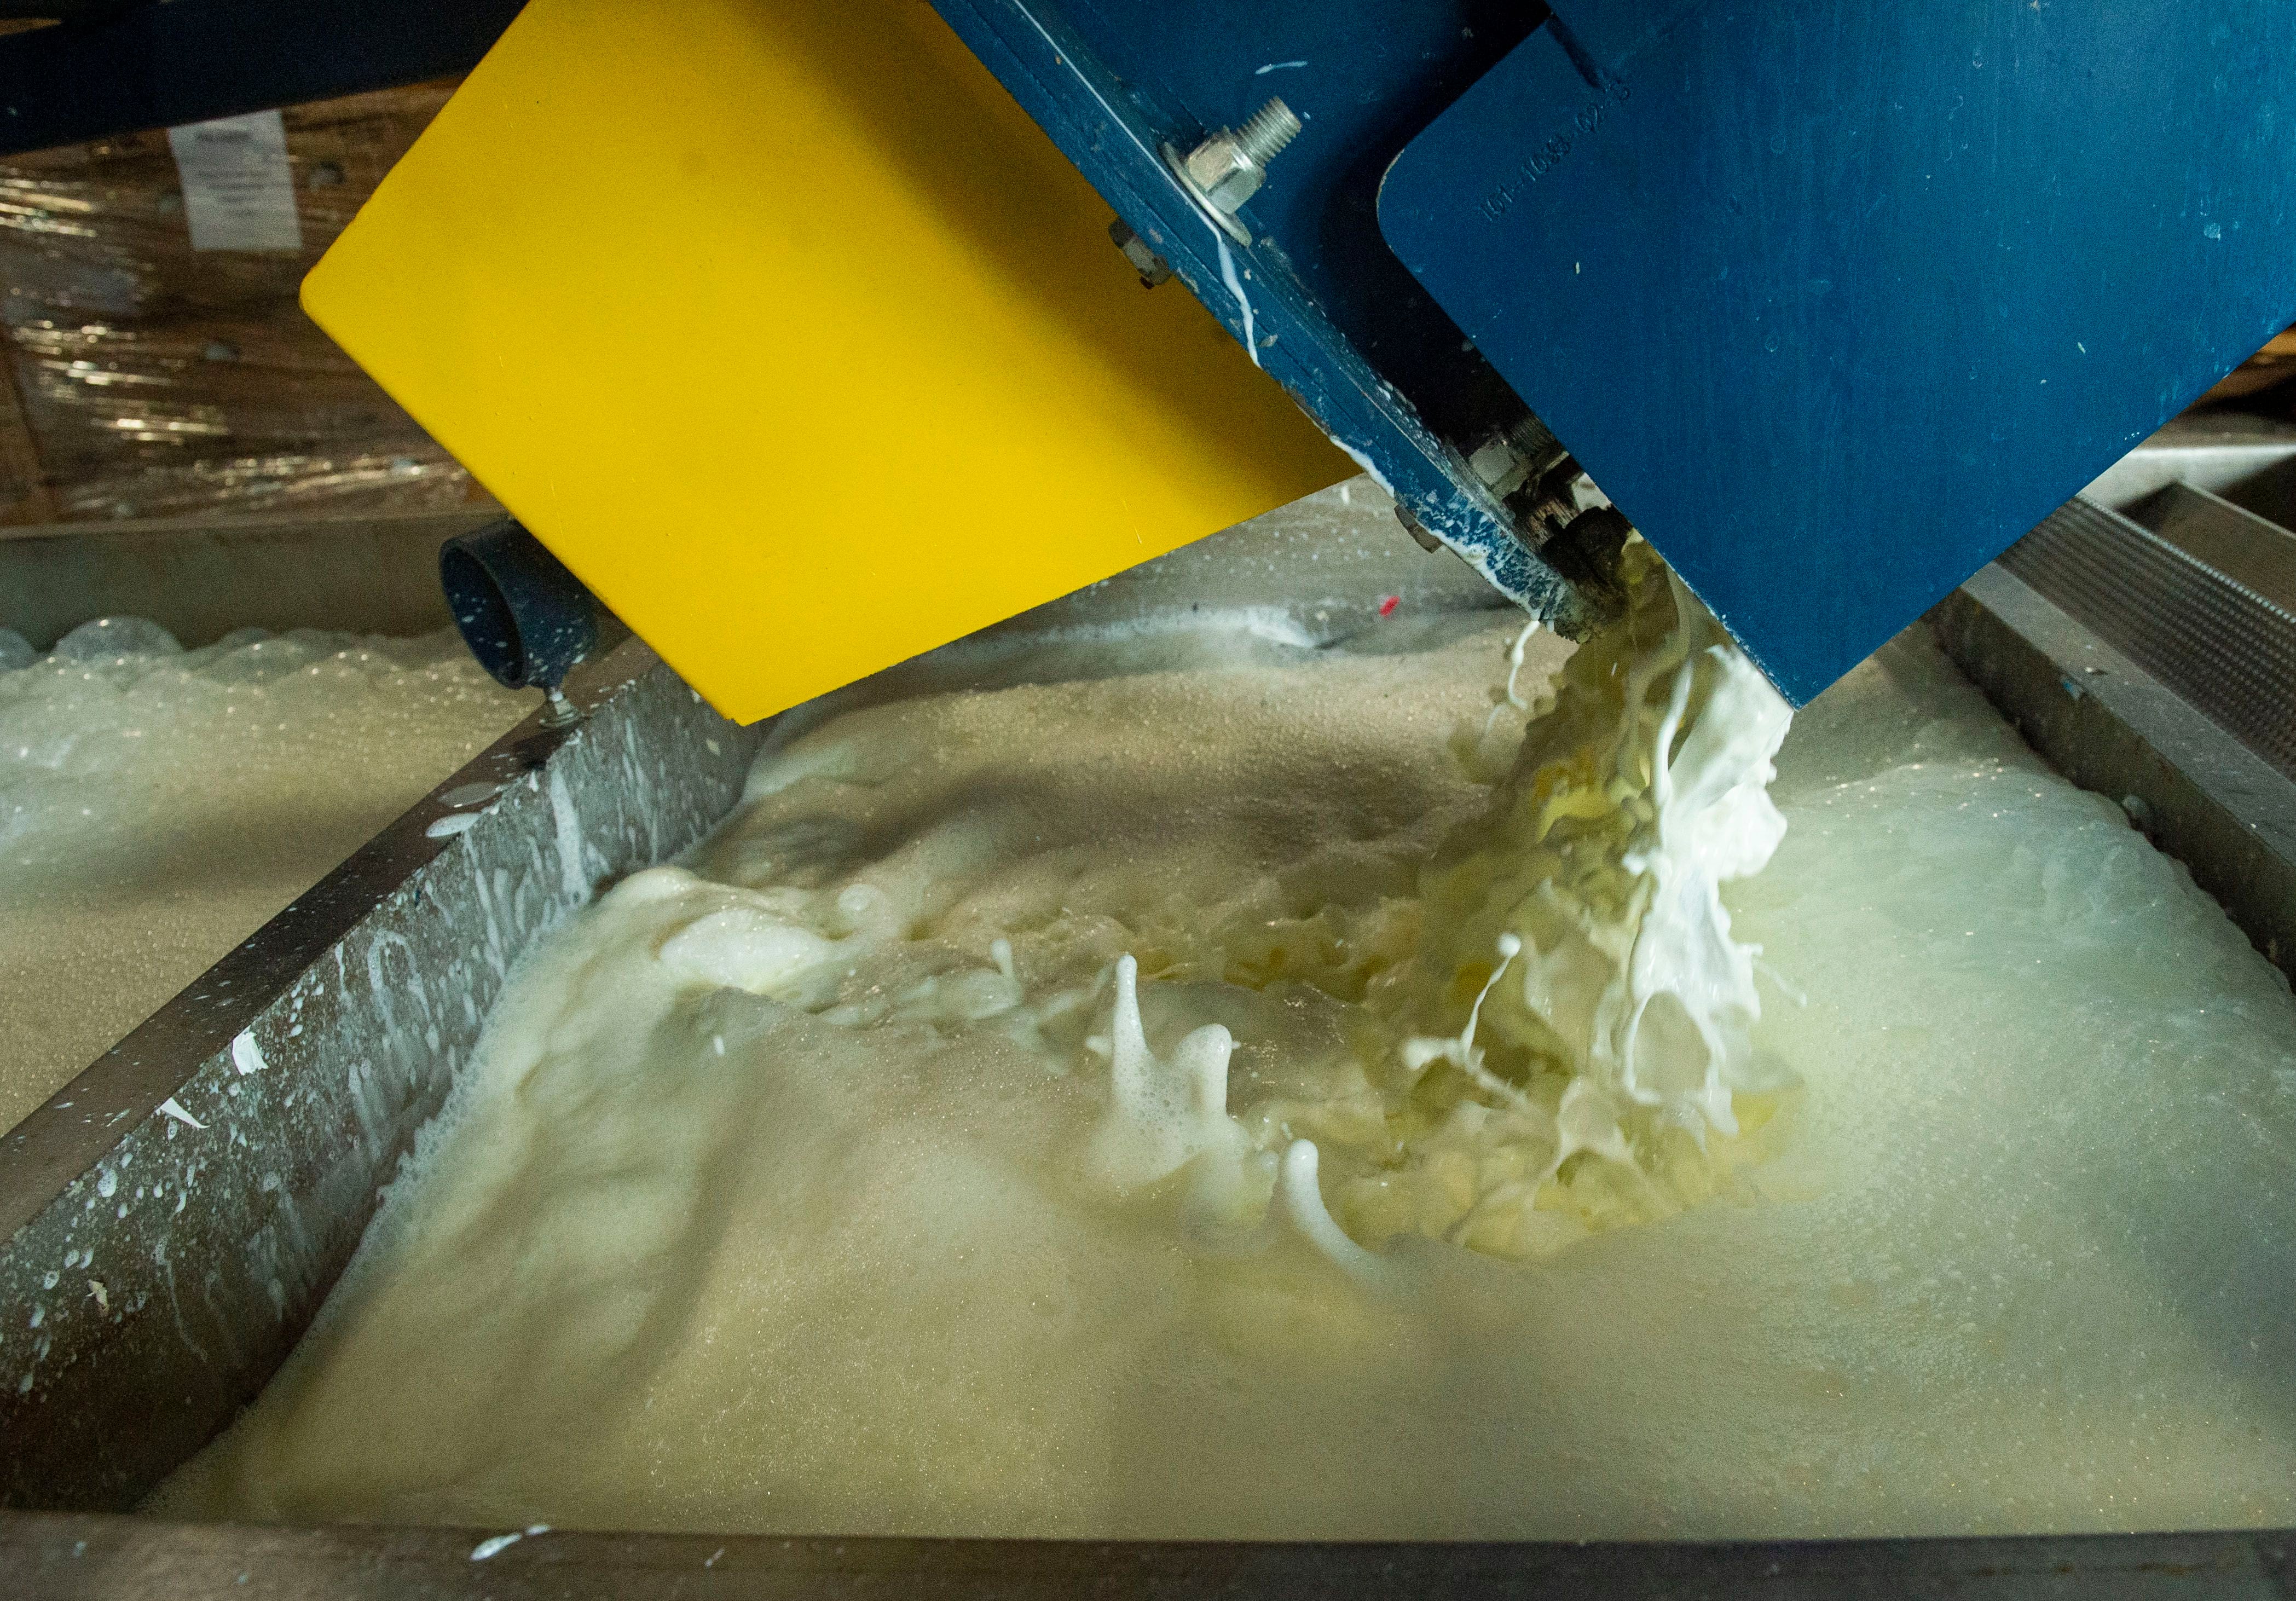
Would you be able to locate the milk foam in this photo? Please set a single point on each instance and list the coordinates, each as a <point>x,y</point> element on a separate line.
<point>157,805</point>
<point>795,1188</point>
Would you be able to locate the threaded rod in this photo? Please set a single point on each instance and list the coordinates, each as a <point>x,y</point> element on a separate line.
<point>1271,129</point>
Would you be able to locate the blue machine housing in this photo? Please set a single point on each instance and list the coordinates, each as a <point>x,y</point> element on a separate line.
<point>1838,298</point>
<point>1835,298</point>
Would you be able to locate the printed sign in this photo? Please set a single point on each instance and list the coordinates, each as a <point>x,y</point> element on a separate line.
<point>238,192</point>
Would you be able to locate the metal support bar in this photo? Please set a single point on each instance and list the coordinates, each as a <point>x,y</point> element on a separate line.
<point>200,578</point>
<point>82,1559</point>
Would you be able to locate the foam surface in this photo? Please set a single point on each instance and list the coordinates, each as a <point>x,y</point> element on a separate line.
<point>782,1197</point>
<point>157,806</point>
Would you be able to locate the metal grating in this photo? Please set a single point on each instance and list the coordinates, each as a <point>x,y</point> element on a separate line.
<point>2244,546</point>
<point>2218,644</point>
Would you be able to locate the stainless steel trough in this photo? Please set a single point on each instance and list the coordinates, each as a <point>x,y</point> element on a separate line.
<point>215,1170</point>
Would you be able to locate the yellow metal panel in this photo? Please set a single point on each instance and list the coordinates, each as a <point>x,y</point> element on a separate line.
<point>793,336</point>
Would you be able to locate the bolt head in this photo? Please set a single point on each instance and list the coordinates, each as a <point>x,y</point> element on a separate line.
<point>1227,176</point>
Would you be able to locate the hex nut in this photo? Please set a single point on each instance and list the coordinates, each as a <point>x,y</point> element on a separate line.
<point>1226,172</point>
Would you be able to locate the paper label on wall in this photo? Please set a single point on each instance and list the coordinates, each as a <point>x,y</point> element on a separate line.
<point>238,192</point>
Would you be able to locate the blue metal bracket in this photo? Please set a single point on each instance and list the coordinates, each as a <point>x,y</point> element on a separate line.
<point>1114,138</point>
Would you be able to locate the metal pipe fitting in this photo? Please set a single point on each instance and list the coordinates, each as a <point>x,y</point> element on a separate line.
<point>525,617</point>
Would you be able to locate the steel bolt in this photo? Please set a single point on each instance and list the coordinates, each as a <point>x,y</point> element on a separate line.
<point>1271,129</point>
<point>1152,268</point>
<point>1227,170</point>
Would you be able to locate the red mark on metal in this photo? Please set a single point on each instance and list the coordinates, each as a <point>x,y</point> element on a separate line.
<point>1387,607</point>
